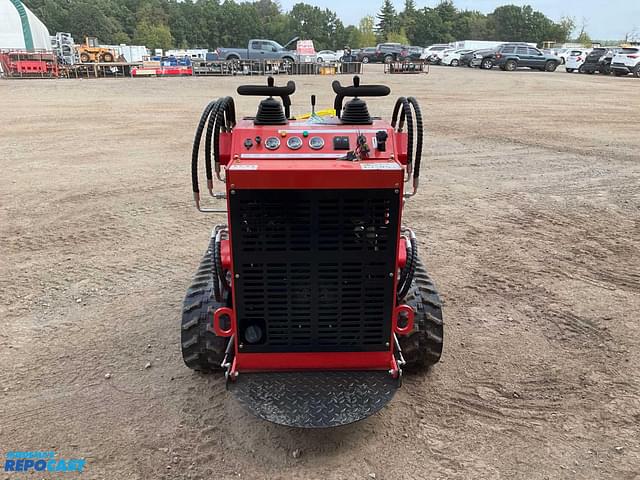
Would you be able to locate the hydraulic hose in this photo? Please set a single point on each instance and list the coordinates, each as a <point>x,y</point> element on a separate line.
<point>225,121</point>
<point>412,262</point>
<point>407,114</point>
<point>402,113</point>
<point>223,118</point>
<point>419,141</point>
<point>213,120</point>
<point>396,110</point>
<point>196,149</point>
<point>221,273</point>
<point>220,115</point>
<point>217,291</point>
<point>405,270</point>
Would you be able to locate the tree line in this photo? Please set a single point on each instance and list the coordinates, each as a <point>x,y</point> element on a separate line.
<point>211,23</point>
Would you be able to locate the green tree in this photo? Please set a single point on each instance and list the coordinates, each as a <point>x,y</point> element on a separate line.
<point>398,37</point>
<point>321,26</point>
<point>354,38</point>
<point>367,32</point>
<point>85,18</point>
<point>387,20</point>
<point>513,23</point>
<point>584,39</point>
<point>562,30</point>
<point>153,36</point>
<point>471,25</point>
<point>430,28</point>
<point>121,37</point>
<point>407,19</point>
<point>447,11</point>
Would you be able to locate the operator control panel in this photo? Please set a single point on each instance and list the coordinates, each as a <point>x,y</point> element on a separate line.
<point>322,141</point>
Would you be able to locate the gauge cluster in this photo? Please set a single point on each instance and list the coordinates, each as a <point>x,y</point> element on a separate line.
<point>293,142</point>
<point>332,141</point>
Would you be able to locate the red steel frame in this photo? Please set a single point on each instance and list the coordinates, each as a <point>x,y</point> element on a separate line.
<point>274,173</point>
<point>24,63</point>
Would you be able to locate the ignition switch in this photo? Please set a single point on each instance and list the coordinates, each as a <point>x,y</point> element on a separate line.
<point>381,140</point>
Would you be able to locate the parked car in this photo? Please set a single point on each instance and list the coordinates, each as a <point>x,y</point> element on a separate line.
<point>484,59</point>
<point>626,61</point>
<point>389,52</point>
<point>366,55</point>
<point>466,58</point>
<point>452,57</point>
<point>414,53</point>
<point>599,60</point>
<point>576,58</point>
<point>327,56</point>
<point>563,54</point>
<point>434,53</point>
<point>608,60</point>
<point>512,56</point>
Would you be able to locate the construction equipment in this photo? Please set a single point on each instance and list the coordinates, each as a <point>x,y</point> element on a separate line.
<point>92,52</point>
<point>311,296</point>
<point>23,64</point>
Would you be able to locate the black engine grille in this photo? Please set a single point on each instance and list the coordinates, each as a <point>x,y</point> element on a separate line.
<point>314,267</point>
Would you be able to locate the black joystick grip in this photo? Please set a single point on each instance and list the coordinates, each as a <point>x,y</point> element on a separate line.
<point>271,90</point>
<point>356,90</point>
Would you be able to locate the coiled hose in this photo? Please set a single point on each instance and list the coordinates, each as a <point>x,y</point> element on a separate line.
<point>405,114</point>
<point>220,115</point>
<point>195,152</point>
<point>408,109</point>
<point>220,283</point>
<point>223,118</point>
<point>419,139</point>
<point>406,276</point>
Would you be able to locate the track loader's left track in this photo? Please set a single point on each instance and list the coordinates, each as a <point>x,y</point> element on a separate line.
<point>202,350</point>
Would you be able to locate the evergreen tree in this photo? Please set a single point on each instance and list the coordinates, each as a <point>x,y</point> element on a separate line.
<point>407,19</point>
<point>387,21</point>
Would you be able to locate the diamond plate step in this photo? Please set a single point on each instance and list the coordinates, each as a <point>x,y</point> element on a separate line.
<point>314,399</point>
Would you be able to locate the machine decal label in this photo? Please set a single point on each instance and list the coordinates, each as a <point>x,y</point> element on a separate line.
<point>380,166</point>
<point>243,167</point>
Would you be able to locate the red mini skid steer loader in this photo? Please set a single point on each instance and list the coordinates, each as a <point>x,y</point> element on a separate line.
<point>311,298</point>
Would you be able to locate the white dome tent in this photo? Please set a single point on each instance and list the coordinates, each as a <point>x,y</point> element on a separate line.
<point>20,29</point>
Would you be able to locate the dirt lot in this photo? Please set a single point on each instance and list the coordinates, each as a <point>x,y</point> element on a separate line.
<point>529,219</point>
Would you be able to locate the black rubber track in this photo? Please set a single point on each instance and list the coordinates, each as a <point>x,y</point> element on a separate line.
<point>202,350</point>
<point>423,347</point>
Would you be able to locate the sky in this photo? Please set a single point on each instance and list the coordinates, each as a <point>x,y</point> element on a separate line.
<point>605,20</point>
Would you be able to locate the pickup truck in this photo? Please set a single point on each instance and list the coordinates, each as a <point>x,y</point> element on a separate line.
<point>260,49</point>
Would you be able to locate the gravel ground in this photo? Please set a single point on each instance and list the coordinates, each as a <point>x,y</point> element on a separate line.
<point>528,218</point>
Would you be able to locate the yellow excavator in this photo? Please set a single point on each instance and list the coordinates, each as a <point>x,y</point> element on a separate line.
<point>92,52</point>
